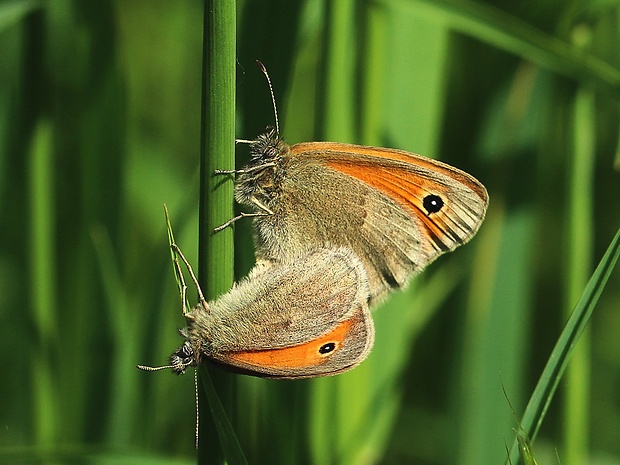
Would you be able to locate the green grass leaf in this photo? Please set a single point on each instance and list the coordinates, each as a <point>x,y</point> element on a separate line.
<point>545,389</point>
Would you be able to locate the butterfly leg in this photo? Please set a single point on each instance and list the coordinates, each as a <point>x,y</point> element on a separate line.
<point>246,170</point>
<point>225,171</point>
<point>201,296</point>
<point>266,211</point>
<point>236,218</point>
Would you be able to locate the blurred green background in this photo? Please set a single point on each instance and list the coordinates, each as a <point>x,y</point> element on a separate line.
<point>100,124</point>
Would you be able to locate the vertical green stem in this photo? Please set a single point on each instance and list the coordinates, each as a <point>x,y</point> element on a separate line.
<point>338,108</point>
<point>372,120</point>
<point>576,410</point>
<point>216,192</point>
<point>38,130</point>
<point>579,253</point>
<point>43,265</point>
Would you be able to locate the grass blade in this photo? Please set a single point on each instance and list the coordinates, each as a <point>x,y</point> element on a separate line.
<point>228,439</point>
<point>14,11</point>
<point>509,33</point>
<point>543,393</point>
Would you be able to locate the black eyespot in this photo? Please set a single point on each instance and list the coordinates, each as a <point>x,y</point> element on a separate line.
<point>432,203</point>
<point>327,348</point>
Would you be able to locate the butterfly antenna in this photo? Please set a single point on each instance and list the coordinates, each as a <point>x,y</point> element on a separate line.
<point>273,98</point>
<point>197,414</point>
<point>147,368</point>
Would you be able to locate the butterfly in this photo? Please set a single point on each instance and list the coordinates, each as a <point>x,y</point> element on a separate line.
<point>396,210</point>
<point>302,318</point>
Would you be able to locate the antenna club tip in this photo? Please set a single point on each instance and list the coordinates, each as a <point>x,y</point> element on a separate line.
<point>261,66</point>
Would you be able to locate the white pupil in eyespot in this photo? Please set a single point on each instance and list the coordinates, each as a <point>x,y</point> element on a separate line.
<point>327,348</point>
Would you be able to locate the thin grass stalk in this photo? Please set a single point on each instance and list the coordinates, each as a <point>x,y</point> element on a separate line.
<point>539,402</point>
<point>372,75</point>
<point>507,32</point>
<point>41,242</point>
<point>580,236</point>
<point>13,12</point>
<point>217,151</point>
<point>338,105</point>
<point>44,297</point>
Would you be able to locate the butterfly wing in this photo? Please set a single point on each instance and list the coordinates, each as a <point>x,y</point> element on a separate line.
<point>398,211</point>
<point>448,203</point>
<point>301,318</point>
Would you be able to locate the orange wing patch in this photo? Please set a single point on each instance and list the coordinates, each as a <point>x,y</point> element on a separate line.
<point>309,354</point>
<point>331,148</point>
<point>409,193</point>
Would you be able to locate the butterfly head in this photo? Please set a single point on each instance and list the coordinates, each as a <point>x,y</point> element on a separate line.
<point>182,358</point>
<point>268,147</point>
